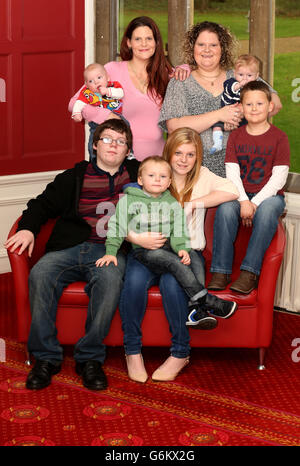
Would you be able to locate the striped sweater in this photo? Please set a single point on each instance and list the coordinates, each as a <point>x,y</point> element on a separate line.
<point>61,199</point>
<point>99,195</point>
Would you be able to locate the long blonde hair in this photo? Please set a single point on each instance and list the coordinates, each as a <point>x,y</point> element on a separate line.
<point>177,138</point>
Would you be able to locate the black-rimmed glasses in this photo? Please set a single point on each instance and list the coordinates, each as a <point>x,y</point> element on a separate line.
<point>108,140</point>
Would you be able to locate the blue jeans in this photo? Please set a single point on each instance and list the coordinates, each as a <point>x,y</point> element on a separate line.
<point>133,303</point>
<point>50,275</point>
<point>265,222</point>
<point>93,127</point>
<point>165,260</point>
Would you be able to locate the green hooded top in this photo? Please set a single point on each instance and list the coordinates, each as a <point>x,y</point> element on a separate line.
<point>139,212</point>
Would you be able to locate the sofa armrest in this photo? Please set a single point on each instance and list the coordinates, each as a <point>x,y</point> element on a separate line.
<point>272,261</point>
<point>20,267</point>
<point>267,281</point>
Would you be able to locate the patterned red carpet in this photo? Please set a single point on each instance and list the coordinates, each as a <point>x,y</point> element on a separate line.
<point>219,399</point>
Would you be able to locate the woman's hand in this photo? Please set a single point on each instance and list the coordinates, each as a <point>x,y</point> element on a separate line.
<point>240,115</point>
<point>277,105</point>
<point>77,117</point>
<point>147,240</point>
<point>229,127</point>
<point>181,72</point>
<point>231,115</point>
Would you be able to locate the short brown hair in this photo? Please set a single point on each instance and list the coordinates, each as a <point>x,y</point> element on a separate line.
<point>117,125</point>
<point>156,159</point>
<point>256,86</point>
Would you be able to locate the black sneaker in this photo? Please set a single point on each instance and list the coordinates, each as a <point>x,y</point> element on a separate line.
<point>219,307</point>
<point>200,319</point>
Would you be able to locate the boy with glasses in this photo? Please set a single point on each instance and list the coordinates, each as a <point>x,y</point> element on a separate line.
<point>76,197</point>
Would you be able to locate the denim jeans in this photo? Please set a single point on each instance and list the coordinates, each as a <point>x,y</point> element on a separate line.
<point>165,260</point>
<point>133,302</point>
<point>50,275</point>
<point>265,222</point>
<point>93,127</point>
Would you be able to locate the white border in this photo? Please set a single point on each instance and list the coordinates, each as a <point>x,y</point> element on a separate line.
<point>90,49</point>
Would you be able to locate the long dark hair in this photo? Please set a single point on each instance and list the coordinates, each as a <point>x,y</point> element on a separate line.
<point>158,68</point>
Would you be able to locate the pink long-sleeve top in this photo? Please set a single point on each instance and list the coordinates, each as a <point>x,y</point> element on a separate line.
<point>139,109</point>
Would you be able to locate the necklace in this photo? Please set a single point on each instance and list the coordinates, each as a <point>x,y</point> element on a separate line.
<point>210,79</point>
<point>141,82</point>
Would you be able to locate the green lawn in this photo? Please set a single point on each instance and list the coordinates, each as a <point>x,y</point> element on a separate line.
<point>238,23</point>
<point>286,68</point>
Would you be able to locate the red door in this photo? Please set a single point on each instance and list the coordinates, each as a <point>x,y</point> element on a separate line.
<point>41,66</point>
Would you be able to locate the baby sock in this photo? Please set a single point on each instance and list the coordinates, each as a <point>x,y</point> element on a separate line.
<point>218,141</point>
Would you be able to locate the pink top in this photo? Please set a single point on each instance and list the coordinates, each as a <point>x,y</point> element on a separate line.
<point>139,109</point>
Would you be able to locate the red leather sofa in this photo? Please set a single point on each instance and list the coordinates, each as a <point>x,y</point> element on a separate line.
<point>249,327</point>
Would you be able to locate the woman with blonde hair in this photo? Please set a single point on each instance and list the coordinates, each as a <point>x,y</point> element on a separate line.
<point>194,185</point>
<point>196,188</point>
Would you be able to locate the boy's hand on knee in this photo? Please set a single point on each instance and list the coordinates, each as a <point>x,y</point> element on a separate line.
<point>106,260</point>
<point>247,212</point>
<point>186,260</point>
<point>23,239</point>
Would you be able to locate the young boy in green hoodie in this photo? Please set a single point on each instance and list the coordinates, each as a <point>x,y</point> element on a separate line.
<point>153,208</point>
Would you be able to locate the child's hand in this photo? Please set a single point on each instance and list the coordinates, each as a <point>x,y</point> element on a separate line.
<point>240,84</point>
<point>106,260</point>
<point>186,260</point>
<point>77,117</point>
<point>247,212</point>
<point>103,90</point>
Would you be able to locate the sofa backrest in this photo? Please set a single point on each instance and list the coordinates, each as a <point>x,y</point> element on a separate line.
<point>240,244</point>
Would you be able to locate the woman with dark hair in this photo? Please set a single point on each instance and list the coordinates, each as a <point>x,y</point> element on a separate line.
<point>143,73</point>
<point>150,73</point>
<point>209,50</point>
